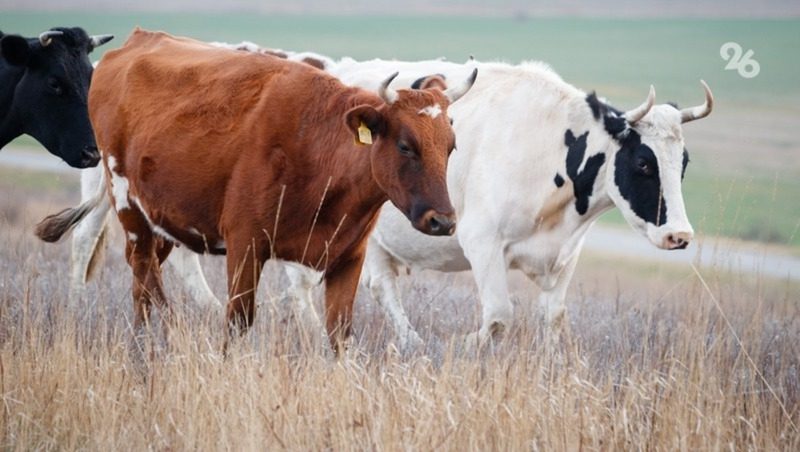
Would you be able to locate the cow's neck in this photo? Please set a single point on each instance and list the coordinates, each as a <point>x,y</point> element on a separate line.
<point>353,183</point>
<point>349,164</point>
<point>10,127</point>
<point>352,197</point>
<point>590,151</point>
<point>600,201</point>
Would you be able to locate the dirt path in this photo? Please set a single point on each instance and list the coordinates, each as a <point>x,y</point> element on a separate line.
<point>745,257</point>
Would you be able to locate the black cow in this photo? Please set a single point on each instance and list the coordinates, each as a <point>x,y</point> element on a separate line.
<point>44,84</point>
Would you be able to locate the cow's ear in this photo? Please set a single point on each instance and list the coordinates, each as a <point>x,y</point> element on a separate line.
<point>365,116</point>
<point>430,81</point>
<point>434,81</point>
<point>15,50</point>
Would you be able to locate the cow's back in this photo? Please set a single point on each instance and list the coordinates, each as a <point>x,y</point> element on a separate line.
<point>158,85</point>
<point>190,120</point>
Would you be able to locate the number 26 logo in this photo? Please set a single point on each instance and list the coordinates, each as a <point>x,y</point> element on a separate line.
<point>744,64</point>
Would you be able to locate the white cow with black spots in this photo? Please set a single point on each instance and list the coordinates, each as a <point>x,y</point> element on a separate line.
<point>537,162</point>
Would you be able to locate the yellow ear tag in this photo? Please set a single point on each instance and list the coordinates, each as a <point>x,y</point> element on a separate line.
<point>364,134</point>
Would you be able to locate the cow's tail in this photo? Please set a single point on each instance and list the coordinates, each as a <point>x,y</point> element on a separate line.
<point>55,226</point>
<point>98,255</point>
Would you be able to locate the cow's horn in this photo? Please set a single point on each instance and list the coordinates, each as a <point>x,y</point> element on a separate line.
<point>98,40</point>
<point>47,37</point>
<point>632,116</point>
<point>455,93</point>
<point>387,94</point>
<point>700,111</point>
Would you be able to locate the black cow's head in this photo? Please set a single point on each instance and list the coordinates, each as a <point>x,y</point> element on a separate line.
<point>50,76</point>
<point>648,164</point>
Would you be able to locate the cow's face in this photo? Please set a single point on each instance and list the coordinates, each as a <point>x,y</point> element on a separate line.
<point>50,100</point>
<point>646,174</point>
<point>413,140</point>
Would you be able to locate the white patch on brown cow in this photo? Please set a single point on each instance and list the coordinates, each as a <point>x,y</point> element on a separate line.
<point>431,110</point>
<point>119,185</point>
<point>132,237</point>
<point>154,227</point>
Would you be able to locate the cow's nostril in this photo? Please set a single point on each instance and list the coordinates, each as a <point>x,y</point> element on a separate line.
<point>676,242</point>
<point>439,224</point>
<point>90,156</point>
<point>434,225</point>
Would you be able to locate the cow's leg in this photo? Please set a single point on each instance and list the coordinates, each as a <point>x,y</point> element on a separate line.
<point>551,299</point>
<point>145,253</point>
<point>245,260</point>
<point>380,276</point>
<point>487,259</point>
<point>340,290</point>
<point>301,283</point>
<point>186,264</point>
<point>87,240</point>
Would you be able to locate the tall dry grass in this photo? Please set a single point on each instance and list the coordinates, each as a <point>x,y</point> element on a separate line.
<point>644,363</point>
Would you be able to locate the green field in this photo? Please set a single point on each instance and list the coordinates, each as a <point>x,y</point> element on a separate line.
<point>752,206</point>
<point>747,188</point>
<point>617,57</point>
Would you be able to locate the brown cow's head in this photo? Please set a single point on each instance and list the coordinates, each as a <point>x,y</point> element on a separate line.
<point>413,138</point>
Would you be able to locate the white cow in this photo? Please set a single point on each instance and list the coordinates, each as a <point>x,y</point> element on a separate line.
<point>537,162</point>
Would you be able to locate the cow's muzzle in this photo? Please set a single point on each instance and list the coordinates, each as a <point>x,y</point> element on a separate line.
<point>676,240</point>
<point>435,223</point>
<point>90,157</point>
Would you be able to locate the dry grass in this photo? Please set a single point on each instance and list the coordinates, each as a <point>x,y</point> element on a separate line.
<point>644,363</point>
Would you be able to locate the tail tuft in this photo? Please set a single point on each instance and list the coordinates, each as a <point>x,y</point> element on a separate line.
<point>53,227</point>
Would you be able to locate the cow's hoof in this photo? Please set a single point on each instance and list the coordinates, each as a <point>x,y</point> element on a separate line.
<point>472,342</point>
<point>553,316</point>
<point>343,349</point>
<point>555,334</point>
<point>475,342</point>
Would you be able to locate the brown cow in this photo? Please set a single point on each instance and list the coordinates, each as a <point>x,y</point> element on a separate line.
<point>257,157</point>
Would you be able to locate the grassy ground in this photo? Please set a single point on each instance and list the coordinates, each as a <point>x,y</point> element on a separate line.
<point>646,361</point>
<point>743,180</point>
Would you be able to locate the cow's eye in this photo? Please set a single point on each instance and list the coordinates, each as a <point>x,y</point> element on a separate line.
<point>55,86</point>
<point>644,167</point>
<point>405,149</point>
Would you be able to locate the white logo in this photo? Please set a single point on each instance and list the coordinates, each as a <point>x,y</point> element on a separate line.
<point>744,64</point>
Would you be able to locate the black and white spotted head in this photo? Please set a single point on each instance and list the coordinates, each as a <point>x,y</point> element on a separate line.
<point>646,170</point>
